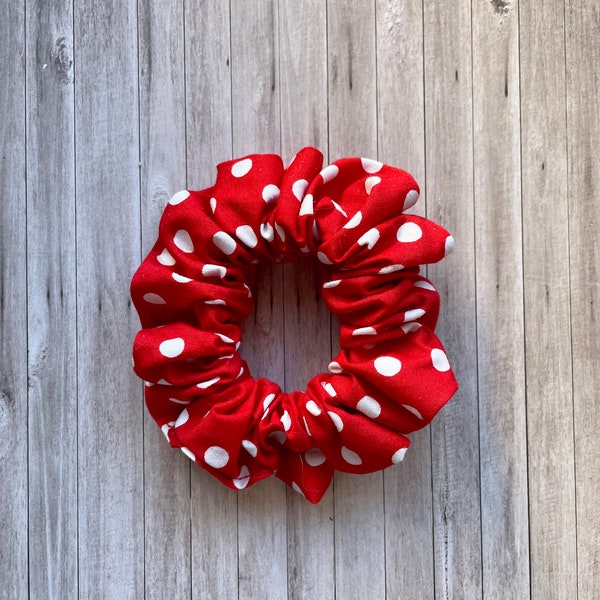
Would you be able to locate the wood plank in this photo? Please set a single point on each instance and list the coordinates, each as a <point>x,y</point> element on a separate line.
<point>110,486</point>
<point>400,105</point>
<point>13,305</point>
<point>358,500</point>
<point>498,258</point>
<point>208,132</point>
<point>455,433</point>
<point>167,508</point>
<point>307,324</point>
<point>582,29</point>
<point>256,128</point>
<point>51,283</point>
<point>553,552</point>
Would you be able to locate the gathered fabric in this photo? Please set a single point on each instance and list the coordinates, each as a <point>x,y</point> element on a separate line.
<point>195,288</point>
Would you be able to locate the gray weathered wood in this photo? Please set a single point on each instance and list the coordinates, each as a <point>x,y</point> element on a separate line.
<point>498,260</point>
<point>449,159</point>
<point>582,29</point>
<point>51,287</point>
<point>547,301</point>
<point>13,306</point>
<point>163,172</point>
<point>256,128</point>
<point>358,518</point>
<point>110,409</point>
<point>307,324</point>
<point>214,546</point>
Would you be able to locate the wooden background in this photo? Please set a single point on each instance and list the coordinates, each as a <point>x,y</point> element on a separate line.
<point>109,107</point>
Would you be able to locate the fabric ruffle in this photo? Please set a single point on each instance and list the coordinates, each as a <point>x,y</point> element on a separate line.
<point>194,289</point>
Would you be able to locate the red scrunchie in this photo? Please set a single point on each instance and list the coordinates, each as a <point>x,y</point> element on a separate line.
<point>391,376</point>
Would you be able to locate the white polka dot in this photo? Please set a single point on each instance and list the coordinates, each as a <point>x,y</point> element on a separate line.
<point>267,232</point>
<point>166,428</point>
<point>188,453</point>
<point>339,208</point>
<point>413,315</point>
<point>296,488</point>
<point>398,456</point>
<point>165,258</point>
<point>163,382</point>
<point>409,232</point>
<point>248,290</point>
<point>354,221</point>
<point>179,197</point>
<point>411,199</point>
<point>216,457</point>
<point>270,192</point>
<point>172,348</point>
<point>267,401</point>
<point>410,327</point>
<point>180,278</point>
<point>370,183</point>
<point>241,167</point>
<point>154,298</point>
<point>336,419</point>
<point>390,269</point>
<point>449,245</point>
<point>148,383</point>
<point>278,436</point>
<point>246,235</point>
<point>306,427</point>
<point>183,241</point>
<point>425,285</point>
<point>328,173</point>
<point>206,384</point>
<point>286,420</point>
<point>224,242</point>
<point>440,360</point>
<point>323,258</point>
<point>370,165</point>
<point>177,401</point>
<point>299,187</point>
<point>250,448</point>
<point>369,406</point>
<point>350,456</point>
<point>280,232</point>
<point>315,232</point>
<point>388,366</point>
<point>213,205</point>
<point>331,284</point>
<point>313,408</point>
<point>413,410</point>
<point>240,373</point>
<point>334,367</point>
<point>369,239</point>
<point>314,457</point>
<point>242,480</point>
<point>214,271</point>
<point>183,418</point>
<point>306,208</point>
<point>225,338</point>
<point>365,331</point>
<point>329,388</point>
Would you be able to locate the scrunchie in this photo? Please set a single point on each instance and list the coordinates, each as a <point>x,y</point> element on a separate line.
<point>194,289</point>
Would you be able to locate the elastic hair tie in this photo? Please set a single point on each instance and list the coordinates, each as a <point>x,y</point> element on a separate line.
<point>194,289</point>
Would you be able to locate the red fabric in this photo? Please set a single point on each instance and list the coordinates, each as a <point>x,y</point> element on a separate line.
<point>194,289</point>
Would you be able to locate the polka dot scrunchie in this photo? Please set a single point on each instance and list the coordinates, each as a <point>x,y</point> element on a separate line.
<point>195,288</point>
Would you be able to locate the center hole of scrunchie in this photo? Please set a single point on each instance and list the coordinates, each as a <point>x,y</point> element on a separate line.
<point>288,336</point>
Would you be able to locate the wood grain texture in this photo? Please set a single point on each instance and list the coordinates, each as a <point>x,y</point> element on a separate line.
<point>214,541</point>
<point>449,160</point>
<point>307,324</point>
<point>167,507</point>
<point>110,415</point>
<point>547,302</point>
<point>51,284</point>
<point>256,128</point>
<point>13,306</point>
<point>582,31</point>
<point>500,330</point>
<point>401,137</point>
<point>358,518</point>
